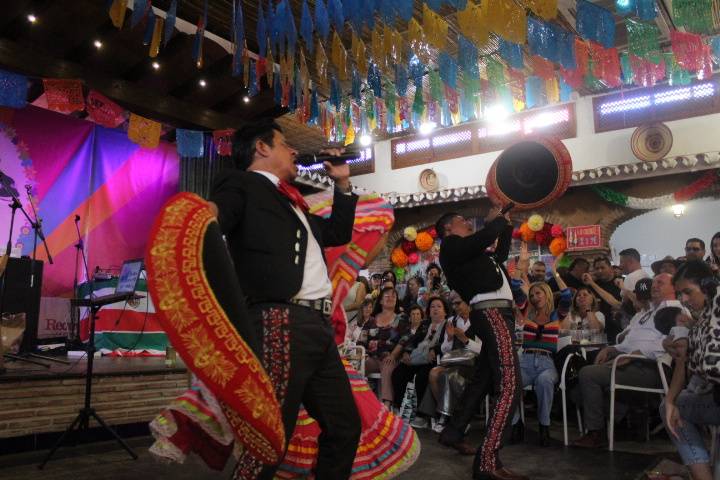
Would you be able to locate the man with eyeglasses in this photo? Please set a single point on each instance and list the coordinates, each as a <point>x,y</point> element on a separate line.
<point>694,249</point>
<point>480,280</point>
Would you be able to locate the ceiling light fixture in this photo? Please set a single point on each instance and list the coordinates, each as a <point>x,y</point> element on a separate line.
<point>32,18</point>
<point>365,140</point>
<point>496,113</point>
<point>678,210</point>
<point>246,99</point>
<point>98,44</point>
<point>202,83</point>
<point>156,65</point>
<point>427,127</point>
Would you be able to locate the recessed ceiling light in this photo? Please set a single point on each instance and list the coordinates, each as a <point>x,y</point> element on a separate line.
<point>246,99</point>
<point>32,18</point>
<point>98,44</point>
<point>202,83</point>
<point>156,65</point>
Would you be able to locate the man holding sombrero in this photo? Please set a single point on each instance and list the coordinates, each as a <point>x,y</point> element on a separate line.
<point>277,249</point>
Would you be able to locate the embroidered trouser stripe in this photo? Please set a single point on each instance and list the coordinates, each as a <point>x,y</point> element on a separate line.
<point>505,396</point>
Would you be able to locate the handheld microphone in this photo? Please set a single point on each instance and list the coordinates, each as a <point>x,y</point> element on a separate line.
<point>77,217</point>
<point>310,159</point>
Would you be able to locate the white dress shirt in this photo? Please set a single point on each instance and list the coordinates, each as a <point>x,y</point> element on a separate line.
<point>472,345</point>
<point>502,293</point>
<point>315,283</point>
<point>641,334</point>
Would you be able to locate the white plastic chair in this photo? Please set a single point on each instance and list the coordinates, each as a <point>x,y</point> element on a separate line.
<point>563,392</point>
<point>614,386</point>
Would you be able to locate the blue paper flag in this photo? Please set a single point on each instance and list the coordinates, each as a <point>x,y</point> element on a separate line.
<point>306,27</point>
<point>512,53</point>
<point>401,79</point>
<point>646,9</point>
<point>565,91</point>
<point>458,4</point>
<point>435,5</point>
<point>404,9</point>
<point>356,85</point>
<point>277,89</point>
<point>139,10</point>
<point>386,9</point>
<point>335,12</point>
<point>277,29</point>
<point>13,89</point>
<point>542,39</point>
<point>200,35</point>
<point>238,37</point>
<point>291,30</point>
<point>468,57</point>
<point>314,107</point>
<point>149,28</point>
<point>566,49</point>
<point>374,80</point>
<point>252,80</point>
<point>335,92</point>
<point>190,143</point>
<point>715,46</point>
<point>170,22</point>
<point>322,22</point>
<point>448,70</point>
<point>533,91</point>
<point>595,23</point>
<point>417,70</point>
<point>261,31</point>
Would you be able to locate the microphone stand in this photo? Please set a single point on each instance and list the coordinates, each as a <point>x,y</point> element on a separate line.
<point>74,333</point>
<point>6,183</point>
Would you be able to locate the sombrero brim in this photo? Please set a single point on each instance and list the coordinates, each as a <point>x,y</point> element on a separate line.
<point>196,292</point>
<point>655,266</point>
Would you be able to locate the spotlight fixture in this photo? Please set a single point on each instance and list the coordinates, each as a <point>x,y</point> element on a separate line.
<point>496,114</point>
<point>31,18</point>
<point>427,127</point>
<point>365,140</point>
<point>246,99</point>
<point>98,44</point>
<point>202,83</point>
<point>678,210</point>
<point>156,65</point>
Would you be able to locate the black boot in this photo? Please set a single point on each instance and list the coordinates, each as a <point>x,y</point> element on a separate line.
<point>518,433</point>
<point>544,434</point>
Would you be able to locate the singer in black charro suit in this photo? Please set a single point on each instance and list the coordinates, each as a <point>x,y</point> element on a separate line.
<point>480,279</point>
<point>277,248</point>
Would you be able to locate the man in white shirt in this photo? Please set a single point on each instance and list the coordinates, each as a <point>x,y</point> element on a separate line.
<point>641,337</point>
<point>633,271</point>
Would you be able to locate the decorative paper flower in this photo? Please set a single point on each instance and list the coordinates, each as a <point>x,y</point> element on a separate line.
<point>432,232</point>
<point>536,222</point>
<point>542,238</point>
<point>413,258</point>
<point>410,234</point>
<point>408,247</point>
<point>558,246</point>
<point>556,230</point>
<point>398,258</point>
<point>516,234</point>
<point>424,241</point>
<point>565,261</point>
<point>399,274</point>
<point>526,234</point>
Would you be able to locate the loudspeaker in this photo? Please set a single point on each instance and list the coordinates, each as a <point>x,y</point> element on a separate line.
<point>22,294</point>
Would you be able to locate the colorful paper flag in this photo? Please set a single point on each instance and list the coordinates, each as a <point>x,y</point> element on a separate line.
<point>189,143</point>
<point>144,132</point>
<point>104,111</point>
<point>13,89</point>
<point>64,95</point>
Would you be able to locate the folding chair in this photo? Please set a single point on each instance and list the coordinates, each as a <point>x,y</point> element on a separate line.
<point>563,392</point>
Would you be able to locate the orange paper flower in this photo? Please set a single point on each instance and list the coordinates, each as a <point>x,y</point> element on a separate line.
<point>398,257</point>
<point>424,241</point>
<point>558,246</point>
<point>526,233</point>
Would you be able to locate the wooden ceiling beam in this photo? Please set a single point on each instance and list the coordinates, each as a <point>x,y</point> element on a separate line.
<point>137,99</point>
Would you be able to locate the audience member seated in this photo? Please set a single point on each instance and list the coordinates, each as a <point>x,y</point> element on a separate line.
<point>643,336</point>
<point>696,402</point>
<point>574,276</point>
<point>537,272</point>
<point>356,296</point>
<point>358,320</point>
<point>375,284</point>
<point>412,292</point>
<point>584,313</point>
<point>694,249</point>
<point>379,336</point>
<point>447,382</point>
<point>389,276</point>
<point>541,325</point>
<point>423,297</point>
<point>419,356</point>
<point>434,281</point>
<point>667,265</point>
<point>608,289</point>
<point>714,258</point>
<point>633,271</point>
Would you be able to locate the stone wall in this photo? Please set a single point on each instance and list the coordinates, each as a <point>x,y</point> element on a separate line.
<point>38,406</point>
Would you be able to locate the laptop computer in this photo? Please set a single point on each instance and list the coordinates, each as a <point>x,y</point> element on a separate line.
<point>125,288</point>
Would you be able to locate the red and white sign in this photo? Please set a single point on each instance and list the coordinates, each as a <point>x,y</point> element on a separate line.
<point>585,237</point>
<point>54,317</point>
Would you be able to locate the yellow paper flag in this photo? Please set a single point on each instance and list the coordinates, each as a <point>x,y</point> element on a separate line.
<point>435,28</point>
<point>117,12</point>
<point>157,35</point>
<point>143,131</point>
<point>473,24</point>
<point>321,66</point>
<point>552,90</point>
<point>507,19</point>
<point>339,56</point>
<point>350,134</point>
<point>359,54</point>
<point>546,9</point>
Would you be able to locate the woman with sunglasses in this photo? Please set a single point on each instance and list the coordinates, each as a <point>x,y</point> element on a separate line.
<point>541,325</point>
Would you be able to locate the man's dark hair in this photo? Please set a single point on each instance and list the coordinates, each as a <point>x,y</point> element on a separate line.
<point>245,139</point>
<point>694,271</point>
<point>539,262</point>
<point>443,222</point>
<point>576,262</point>
<point>601,260</point>
<point>632,253</point>
<point>690,240</point>
<point>432,265</point>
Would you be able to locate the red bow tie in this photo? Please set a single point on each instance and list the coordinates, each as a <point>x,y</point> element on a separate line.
<point>294,195</point>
